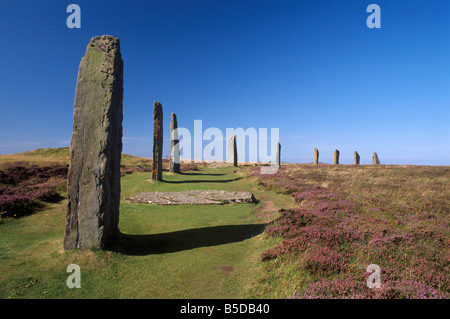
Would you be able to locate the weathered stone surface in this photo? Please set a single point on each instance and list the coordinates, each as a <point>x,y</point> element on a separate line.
<point>157,142</point>
<point>375,160</point>
<point>194,197</point>
<point>278,154</point>
<point>233,151</point>
<point>316,156</point>
<point>356,157</point>
<point>336,157</point>
<point>174,161</point>
<point>93,184</point>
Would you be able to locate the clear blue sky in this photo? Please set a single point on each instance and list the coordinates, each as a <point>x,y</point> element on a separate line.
<point>313,69</point>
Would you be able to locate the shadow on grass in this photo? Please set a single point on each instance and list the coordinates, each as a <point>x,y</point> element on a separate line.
<point>204,181</point>
<point>141,245</point>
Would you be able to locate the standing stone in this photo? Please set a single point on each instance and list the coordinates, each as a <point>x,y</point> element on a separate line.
<point>93,182</point>
<point>278,154</point>
<point>316,156</point>
<point>375,160</point>
<point>336,157</point>
<point>174,162</point>
<point>357,158</point>
<point>157,142</point>
<point>233,150</point>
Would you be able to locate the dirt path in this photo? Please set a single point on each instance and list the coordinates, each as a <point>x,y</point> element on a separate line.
<point>268,211</point>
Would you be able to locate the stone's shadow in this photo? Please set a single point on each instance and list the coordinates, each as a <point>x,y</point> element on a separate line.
<point>141,245</point>
<point>204,181</point>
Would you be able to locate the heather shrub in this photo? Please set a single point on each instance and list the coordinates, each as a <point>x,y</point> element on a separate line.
<point>356,288</point>
<point>349,288</point>
<point>347,218</point>
<point>25,188</point>
<point>322,260</point>
<point>408,289</point>
<point>45,192</point>
<point>124,170</point>
<point>17,205</point>
<point>287,225</point>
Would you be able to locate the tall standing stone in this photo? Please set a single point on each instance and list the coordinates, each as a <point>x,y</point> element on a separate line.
<point>316,156</point>
<point>233,150</point>
<point>174,162</point>
<point>278,154</point>
<point>375,160</point>
<point>157,142</point>
<point>93,183</point>
<point>356,157</point>
<point>336,157</point>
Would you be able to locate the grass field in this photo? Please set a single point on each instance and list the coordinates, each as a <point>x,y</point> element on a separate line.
<point>336,220</point>
<point>164,252</point>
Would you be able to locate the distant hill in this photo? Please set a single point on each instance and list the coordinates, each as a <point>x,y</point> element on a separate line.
<point>60,156</point>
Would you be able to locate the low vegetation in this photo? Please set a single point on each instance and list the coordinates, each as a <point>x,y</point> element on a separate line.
<point>30,180</point>
<point>347,218</point>
<point>24,188</point>
<point>335,221</point>
<point>187,251</point>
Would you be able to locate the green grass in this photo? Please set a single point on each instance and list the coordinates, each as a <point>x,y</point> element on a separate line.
<point>207,178</point>
<point>201,251</point>
<point>214,251</point>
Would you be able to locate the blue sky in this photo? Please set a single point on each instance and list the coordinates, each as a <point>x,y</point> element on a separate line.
<point>313,69</point>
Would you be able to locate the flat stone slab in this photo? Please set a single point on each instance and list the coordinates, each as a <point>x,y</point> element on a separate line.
<point>194,197</point>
